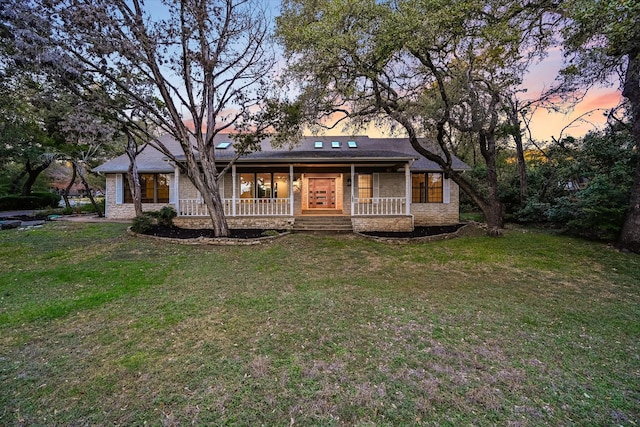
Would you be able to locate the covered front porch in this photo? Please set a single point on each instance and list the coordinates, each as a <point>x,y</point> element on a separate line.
<point>305,191</point>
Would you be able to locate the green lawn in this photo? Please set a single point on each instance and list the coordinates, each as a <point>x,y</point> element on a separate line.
<point>99,328</point>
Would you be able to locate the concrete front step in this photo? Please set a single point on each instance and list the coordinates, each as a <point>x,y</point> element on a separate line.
<point>322,223</point>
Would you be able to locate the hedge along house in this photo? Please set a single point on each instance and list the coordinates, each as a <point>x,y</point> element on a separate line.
<point>361,183</point>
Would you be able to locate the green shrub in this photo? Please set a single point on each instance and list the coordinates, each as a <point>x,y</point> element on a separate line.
<point>87,208</point>
<point>35,201</point>
<point>67,211</point>
<point>142,224</point>
<point>166,216</point>
<point>48,199</point>
<point>533,211</point>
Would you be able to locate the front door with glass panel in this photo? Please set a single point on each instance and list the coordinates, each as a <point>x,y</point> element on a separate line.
<point>322,193</point>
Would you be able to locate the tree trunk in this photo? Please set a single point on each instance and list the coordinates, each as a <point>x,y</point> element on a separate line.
<point>220,226</point>
<point>522,165</point>
<point>213,199</point>
<point>33,174</point>
<point>132,176</point>
<point>522,168</point>
<point>87,188</point>
<point>629,238</point>
<point>65,192</point>
<point>494,210</point>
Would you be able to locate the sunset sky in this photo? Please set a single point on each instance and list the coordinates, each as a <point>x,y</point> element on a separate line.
<point>545,125</point>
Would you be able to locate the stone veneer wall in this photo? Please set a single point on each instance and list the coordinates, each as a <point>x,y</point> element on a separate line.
<point>249,222</point>
<point>124,210</point>
<point>426,214</point>
<point>382,223</point>
<point>392,185</point>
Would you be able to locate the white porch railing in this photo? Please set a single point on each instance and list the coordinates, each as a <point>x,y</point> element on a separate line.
<point>244,207</point>
<point>192,207</point>
<point>261,207</point>
<point>380,206</point>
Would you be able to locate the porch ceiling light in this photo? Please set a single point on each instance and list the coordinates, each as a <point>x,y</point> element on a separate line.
<point>352,144</point>
<point>223,145</point>
<point>335,144</point>
<point>317,144</point>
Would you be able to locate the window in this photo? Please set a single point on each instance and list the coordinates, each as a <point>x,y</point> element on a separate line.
<point>427,187</point>
<point>223,145</point>
<point>352,144</point>
<point>247,183</point>
<point>317,144</point>
<point>154,188</point>
<point>365,186</point>
<point>264,185</point>
<point>335,144</point>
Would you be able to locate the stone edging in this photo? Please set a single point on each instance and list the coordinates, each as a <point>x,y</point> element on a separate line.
<point>218,241</point>
<point>469,229</point>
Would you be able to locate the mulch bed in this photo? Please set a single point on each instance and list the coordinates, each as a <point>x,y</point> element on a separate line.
<point>188,233</point>
<point>417,232</point>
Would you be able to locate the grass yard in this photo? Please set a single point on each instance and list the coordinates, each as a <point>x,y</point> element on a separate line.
<point>99,328</point>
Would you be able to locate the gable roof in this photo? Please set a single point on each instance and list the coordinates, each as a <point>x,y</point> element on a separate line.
<point>312,149</point>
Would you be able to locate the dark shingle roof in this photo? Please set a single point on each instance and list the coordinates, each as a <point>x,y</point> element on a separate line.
<point>366,150</point>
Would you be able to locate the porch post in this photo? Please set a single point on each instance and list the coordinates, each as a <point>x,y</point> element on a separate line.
<point>233,194</point>
<point>176,188</point>
<point>353,185</point>
<point>291,188</point>
<point>407,191</point>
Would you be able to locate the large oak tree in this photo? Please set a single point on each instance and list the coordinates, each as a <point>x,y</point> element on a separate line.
<point>207,61</point>
<point>602,39</point>
<point>435,68</point>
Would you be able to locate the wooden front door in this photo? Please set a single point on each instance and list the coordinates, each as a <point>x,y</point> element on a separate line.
<point>322,193</point>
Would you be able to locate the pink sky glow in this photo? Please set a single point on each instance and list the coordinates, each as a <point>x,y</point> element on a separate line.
<point>546,125</point>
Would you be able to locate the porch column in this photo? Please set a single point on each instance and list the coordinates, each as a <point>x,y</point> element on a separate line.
<point>353,184</point>
<point>291,188</point>
<point>407,191</point>
<point>176,188</point>
<point>233,194</point>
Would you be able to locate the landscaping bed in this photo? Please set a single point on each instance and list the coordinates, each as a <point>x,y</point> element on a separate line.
<point>189,233</point>
<point>417,232</point>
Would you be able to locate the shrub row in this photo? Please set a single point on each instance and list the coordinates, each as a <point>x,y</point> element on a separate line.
<point>37,200</point>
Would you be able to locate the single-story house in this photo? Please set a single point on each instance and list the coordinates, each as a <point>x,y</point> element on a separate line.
<point>357,183</point>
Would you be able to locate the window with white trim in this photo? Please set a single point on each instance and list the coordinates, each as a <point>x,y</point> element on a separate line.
<point>427,187</point>
<point>154,188</point>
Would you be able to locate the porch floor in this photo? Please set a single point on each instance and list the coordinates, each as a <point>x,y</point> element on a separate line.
<point>323,212</point>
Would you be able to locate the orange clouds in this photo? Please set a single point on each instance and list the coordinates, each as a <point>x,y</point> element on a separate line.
<point>601,99</point>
